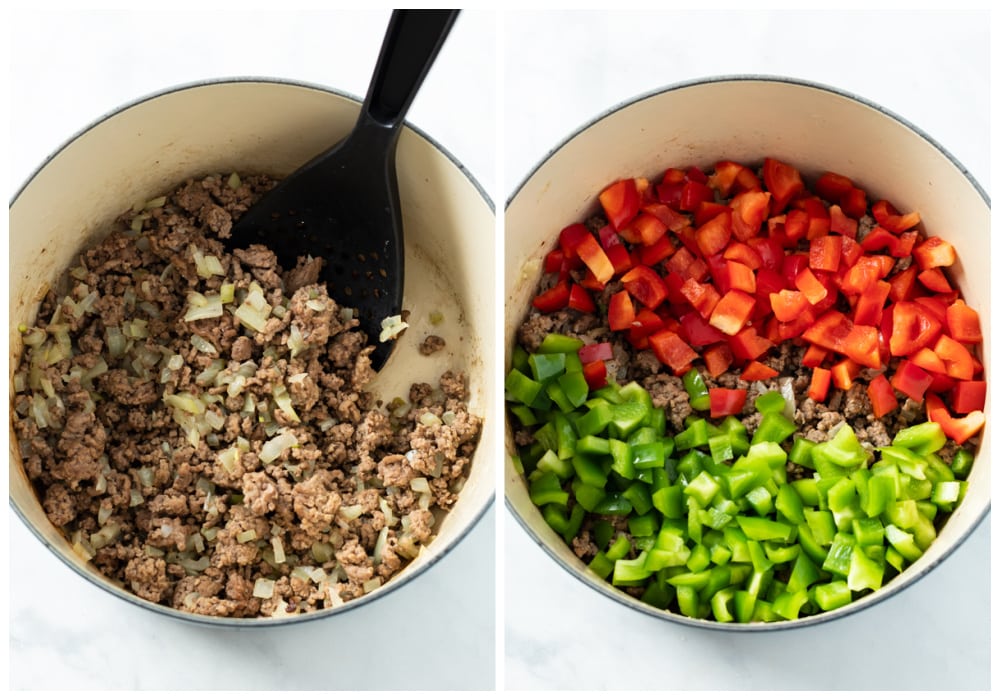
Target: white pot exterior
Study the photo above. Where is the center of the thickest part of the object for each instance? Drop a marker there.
(746, 119)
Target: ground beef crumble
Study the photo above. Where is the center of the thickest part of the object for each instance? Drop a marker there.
(187, 511)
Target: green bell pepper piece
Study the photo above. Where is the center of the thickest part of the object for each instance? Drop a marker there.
(694, 435)
(648, 455)
(575, 387)
(807, 540)
(743, 604)
(781, 554)
(808, 490)
(614, 504)
(788, 604)
(832, 595)
(628, 416)
(864, 572)
(593, 446)
(699, 559)
(638, 495)
(689, 603)
(879, 494)
(573, 523)
(721, 448)
(961, 463)
(902, 542)
(519, 360)
(947, 494)
(760, 501)
(555, 343)
(589, 471)
(697, 390)
(923, 438)
(621, 458)
(789, 504)
(657, 421)
(629, 572)
(669, 500)
(524, 415)
(774, 427)
(804, 574)
(722, 602)
(842, 451)
(838, 559)
(603, 532)
(565, 436)
(547, 366)
(595, 420)
(601, 565)
(821, 525)
(619, 548)
(761, 529)
(657, 594)
(702, 489)
(770, 402)
(587, 496)
(522, 388)
(556, 517)
(546, 489)
(801, 452)
(758, 558)
(868, 531)
(550, 462)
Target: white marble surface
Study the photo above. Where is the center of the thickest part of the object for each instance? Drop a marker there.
(438, 632)
(561, 70)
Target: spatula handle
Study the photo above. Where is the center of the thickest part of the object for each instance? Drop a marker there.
(410, 46)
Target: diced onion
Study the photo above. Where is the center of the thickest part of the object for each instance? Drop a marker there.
(263, 588)
(351, 512)
(252, 318)
(202, 345)
(420, 485)
(392, 327)
(284, 402)
(234, 183)
(296, 341)
(203, 306)
(429, 419)
(273, 448)
(246, 536)
(279, 550)
(371, 584)
(380, 543)
(185, 402)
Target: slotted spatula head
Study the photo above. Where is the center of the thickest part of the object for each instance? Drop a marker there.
(343, 206)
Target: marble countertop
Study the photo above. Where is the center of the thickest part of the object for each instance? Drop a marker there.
(69, 68)
(560, 71)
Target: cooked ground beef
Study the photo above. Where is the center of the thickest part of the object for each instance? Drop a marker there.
(190, 459)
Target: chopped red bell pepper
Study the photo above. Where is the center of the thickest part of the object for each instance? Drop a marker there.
(620, 259)
(888, 217)
(673, 220)
(553, 299)
(958, 429)
(882, 396)
(912, 328)
(594, 352)
(819, 385)
(646, 286)
(819, 215)
(749, 211)
(736, 275)
(963, 323)
(814, 356)
(870, 304)
(732, 312)
(696, 331)
(748, 345)
(783, 182)
(596, 374)
(772, 255)
(757, 371)
(671, 350)
(934, 252)
(854, 202)
(580, 300)
(726, 402)
(862, 275)
(703, 297)
(845, 372)
(645, 324)
(788, 304)
(659, 251)
(714, 235)
(649, 228)
(903, 285)
(620, 202)
(861, 345)
(841, 223)
(729, 177)
(594, 257)
(621, 311)
(718, 359)
(685, 264)
(833, 186)
(850, 250)
(694, 193)
(554, 261)
(909, 379)
(742, 253)
(796, 226)
(968, 395)
(934, 280)
(958, 361)
(807, 283)
(570, 239)
(824, 253)
(707, 211)
(831, 331)
(927, 359)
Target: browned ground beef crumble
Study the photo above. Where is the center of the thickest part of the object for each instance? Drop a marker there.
(164, 512)
(815, 421)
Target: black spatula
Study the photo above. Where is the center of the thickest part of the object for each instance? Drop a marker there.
(343, 205)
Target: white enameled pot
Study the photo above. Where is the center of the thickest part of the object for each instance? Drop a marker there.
(745, 119)
(268, 126)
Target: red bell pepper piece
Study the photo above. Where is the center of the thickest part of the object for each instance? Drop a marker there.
(673, 220)
(819, 385)
(570, 239)
(645, 324)
(553, 299)
(607, 236)
(854, 202)
(968, 396)
(870, 304)
(590, 282)
(621, 311)
(850, 250)
(646, 286)
(703, 297)
(912, 328)
(788, 304)
(726, 402)
(740, 252)
(649, 228)
(807, 283)
(580, 300)
(619, 256)
(693, 193)
(620, 202)
(707, 211)
(749, 211)
(554, 261)
(958, 361)
(748, 345)
(833, 186)
(903, 285)
(772, 255)
(882, 396)
(841, 223)
(880, 239)
(783, 182)
(861, 345)
(714, 235)
(934, 280)
(796, 226)
(594, 352)
(862, 275)
(594, 257)
(757, 371)
(905, 246)
(888, 217)
(814, 356)
(696, 331)
(958, 429)
(685, 264)
(671, 350)
(659, 251)
(934, 252)
(730, 177)
(718, 359)
(596, 374)
(735, 275)
(732, 312)
(830, 331)
(927, 359)
(909, 379)
(845, 372)
(824, 253)
(819, 216)
(963, 323)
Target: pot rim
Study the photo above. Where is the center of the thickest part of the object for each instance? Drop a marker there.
(256, 622)
(633, 603)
